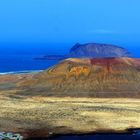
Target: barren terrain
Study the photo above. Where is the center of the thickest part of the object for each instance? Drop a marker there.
(50, 115)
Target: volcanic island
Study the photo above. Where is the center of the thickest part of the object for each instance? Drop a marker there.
(94, 92)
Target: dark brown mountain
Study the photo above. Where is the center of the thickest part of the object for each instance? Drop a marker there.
(91, 50)
(97, 50)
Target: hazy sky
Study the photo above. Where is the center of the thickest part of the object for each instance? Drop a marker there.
(58, 24)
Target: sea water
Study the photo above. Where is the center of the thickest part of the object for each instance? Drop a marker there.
(22, 63)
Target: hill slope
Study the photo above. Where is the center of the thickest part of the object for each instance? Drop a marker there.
(97, 77)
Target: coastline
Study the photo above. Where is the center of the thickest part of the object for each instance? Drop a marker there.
(20, 72)
(102, 132)
(42, 134)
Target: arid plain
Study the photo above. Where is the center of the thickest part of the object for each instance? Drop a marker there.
(44, 116)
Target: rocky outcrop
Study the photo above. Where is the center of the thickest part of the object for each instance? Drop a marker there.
(96, 50)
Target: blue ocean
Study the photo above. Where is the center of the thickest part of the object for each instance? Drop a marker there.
(13, 63)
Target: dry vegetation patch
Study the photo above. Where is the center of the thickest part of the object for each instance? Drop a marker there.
(69, 114)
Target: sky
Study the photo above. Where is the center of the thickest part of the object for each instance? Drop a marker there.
(41, 26)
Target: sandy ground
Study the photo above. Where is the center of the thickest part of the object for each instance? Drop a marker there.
(68, 115)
